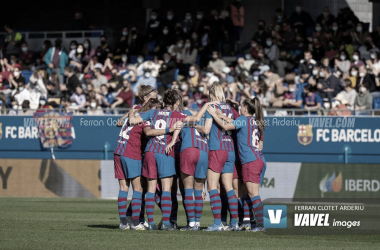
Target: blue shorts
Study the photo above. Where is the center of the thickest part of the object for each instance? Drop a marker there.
(194, 162)
(221, 161)
(157, 166)
(132, 168)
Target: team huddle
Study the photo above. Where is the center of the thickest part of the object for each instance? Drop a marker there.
(160, 143)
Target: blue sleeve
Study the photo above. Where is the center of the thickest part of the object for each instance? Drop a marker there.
(187, 112)
(240, 122)
(148, 115)
(318, 99)
(298, 95)
(207, 115)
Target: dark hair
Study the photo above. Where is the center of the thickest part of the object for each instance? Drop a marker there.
(75, 42)
(98, 70)
(170, 97)
(366, 85)
(254, 107)
(234, 105)
(69, 69)
(345, 53)
(325, 68)
(89, 45)
(347, 83)
(307, 51)
(151, 103)
(308, 88)
(103, 85)
(103, 36)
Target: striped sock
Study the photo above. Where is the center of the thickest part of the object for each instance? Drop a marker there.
(198, 205)
(122, 206)
(258, 209)
(174, 212)
(189, 204)
(215, 206)
(233, 203)
(149, 205)
(157, 196)
(142, 211)
(166, 205)
(129, 210)
(247, 208)
(240, 210)
(136, 207)
(224, 210)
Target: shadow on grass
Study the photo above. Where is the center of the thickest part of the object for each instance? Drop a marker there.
(104, 226)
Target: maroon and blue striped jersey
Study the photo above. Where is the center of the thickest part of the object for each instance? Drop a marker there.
(192, 138)
(219, 138)
(248, 137)
(161, 119)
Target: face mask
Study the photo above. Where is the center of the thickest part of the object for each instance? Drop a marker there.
(14, 107)
(191, 73)
(253, 45)
(86, 45)
(199, 16)
(140, 60)
(166, 61)
(373, 56)
(188, 17)
(180, 45)
(291, 90)
(354, 73)
(209, 74)
(335, 28)
(24, 49)
(20, 89)
(269, 43)
(125, 33)
(42, 102)
(231, 90)
(184, 87)
(73, 104)
(72, 47)
(199, 101)
(315, 72)
(255, 78)
(187, 45)
(93, 104)
(248, 57)
(169, 17)
(201, 89)
(79, 50)
(321, 74)
(355, 57)
(153, 17)
(359, 29)
(147, 74)
(362, 89)
(361, 74)
(16, 73)
(165, 32)
(318, 29)
(298, 9)
(124, 58)
(342, 57)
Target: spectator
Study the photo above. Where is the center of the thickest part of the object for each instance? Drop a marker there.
(261, 35)
(78, 98)
(259, 62)
(367, 48)
(167, 71)
(330, 83)
(26, 57)
(106, 98)
(279, 17)
(354, 74)
(301, 19)
(103, 50)
(89, 52)
(125, 97)
(374, 63)
(332, 51)
(278, 92)
(311, 101)
(356, 60)
(52, 86)
(240, 67)
(340, 106)
(292, 96)
(199, 23)
(37, 89)
(13, 41)
(365, 77)
(154, 24)
(349, 93)
(166, 38)
(94, 108)
(187, 23)
(189, 53)
(146, 79)
(73, 45)
(56, 59)
(19, 95)
(306, 66)
(237, 16)
(363, 100)
(72, 80)
(335, 34)
(43, 106)
(271, 50)
(77, 57)
(359, 35)
(270, 77)
(326, 19)
(170, 20)
(15, 79)
(263, 94)
(226, 74)
(210, 78)
(25, 106)
(79, 23)
(343, 63)
(194, 77)
(175, 50)
(216, 63)
(99, 79)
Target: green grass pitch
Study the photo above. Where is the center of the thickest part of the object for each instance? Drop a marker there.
(40, 223)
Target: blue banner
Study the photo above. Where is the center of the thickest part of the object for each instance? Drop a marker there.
(286, 139)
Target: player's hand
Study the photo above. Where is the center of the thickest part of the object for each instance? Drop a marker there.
(177, 126)
(211, 110)
(218, 112)
(169, 148)
(119, 123)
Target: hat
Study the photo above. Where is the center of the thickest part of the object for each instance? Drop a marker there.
(264, 68)
(340, 97)
(17, 66)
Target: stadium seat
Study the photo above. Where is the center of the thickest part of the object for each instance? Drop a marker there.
(26, 74)
(149, 58)
(376, 103)
(176, 74)
(133, 59)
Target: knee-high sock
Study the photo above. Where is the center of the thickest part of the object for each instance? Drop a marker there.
(122, 206)
(198, 205)
(240, 210)
(174, 211)
(215, 206)
(189, 204)
(149, 205)
(247, 203)
(224, 210)
(233, 203)
(136, 207)
(258, 209)
(129, 210)
(166, 206)
(142, 211)
(157, 197)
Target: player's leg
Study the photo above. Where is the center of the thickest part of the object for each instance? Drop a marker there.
(198, 203)
(136, 204)
(232, 200)
(188, 182)
(248, 220)
(150, 203)
(166, 202)
(224, 202)
(122, 203)
(174, 211)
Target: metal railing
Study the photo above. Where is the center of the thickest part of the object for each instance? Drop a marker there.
(58, 34)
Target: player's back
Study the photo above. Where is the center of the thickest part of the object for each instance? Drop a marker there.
(219, 138)
(192, 138)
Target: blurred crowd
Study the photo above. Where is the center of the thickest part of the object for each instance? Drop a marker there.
(329, 65)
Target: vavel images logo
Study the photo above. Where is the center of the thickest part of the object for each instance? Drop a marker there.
(275, 216)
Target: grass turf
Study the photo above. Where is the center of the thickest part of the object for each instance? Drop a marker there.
(39, 223)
